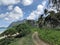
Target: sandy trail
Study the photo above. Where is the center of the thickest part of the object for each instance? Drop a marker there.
(37, 40)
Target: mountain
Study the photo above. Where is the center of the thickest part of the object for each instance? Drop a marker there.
(16, 23)
(31, 22)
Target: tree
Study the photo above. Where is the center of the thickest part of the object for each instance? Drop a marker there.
(23, 29)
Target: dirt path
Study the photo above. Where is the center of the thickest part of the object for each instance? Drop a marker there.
(37, 40)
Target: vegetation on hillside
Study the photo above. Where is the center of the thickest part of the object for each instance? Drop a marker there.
(48, 29)
(51, 36)
(51, 21)
(23, 30)
(48, 35)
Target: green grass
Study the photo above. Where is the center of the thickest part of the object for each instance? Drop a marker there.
(27, 40)
(50, 35)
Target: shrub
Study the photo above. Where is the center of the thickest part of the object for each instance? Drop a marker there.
(23, 29)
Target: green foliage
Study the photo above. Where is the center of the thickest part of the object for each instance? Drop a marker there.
(10, 31)
(23, 29)
(26, 40)
(6, 41)
(50, 35)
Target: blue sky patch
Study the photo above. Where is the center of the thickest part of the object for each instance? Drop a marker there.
(19, 10)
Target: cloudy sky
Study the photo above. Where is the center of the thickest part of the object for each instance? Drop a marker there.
(13, 10)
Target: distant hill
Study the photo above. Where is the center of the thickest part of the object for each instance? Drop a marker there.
(16, 23)
(31, 22)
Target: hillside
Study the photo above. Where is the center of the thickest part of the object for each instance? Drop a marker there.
(41, 28)
(16, 23)
(50, 36)
(27, 40)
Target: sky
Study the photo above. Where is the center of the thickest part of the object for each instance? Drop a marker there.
(13, 10)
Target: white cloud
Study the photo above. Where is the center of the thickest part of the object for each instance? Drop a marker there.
(16, 14)
(9, 2)
(27, 2)
(6, 18)
(10, 7)
(3, 15)
(40, 10)
(53, 9)
(32, 16)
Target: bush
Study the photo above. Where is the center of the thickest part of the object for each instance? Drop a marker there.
(6, 41)
(50, 35)
(10, 31)
(23, 29)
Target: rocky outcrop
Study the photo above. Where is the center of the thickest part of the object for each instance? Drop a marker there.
(55, 3)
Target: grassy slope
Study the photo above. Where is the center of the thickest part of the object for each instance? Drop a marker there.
(27, 40)
(49, 35)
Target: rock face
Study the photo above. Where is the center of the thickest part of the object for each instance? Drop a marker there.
(55, 3)
(51, 21)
